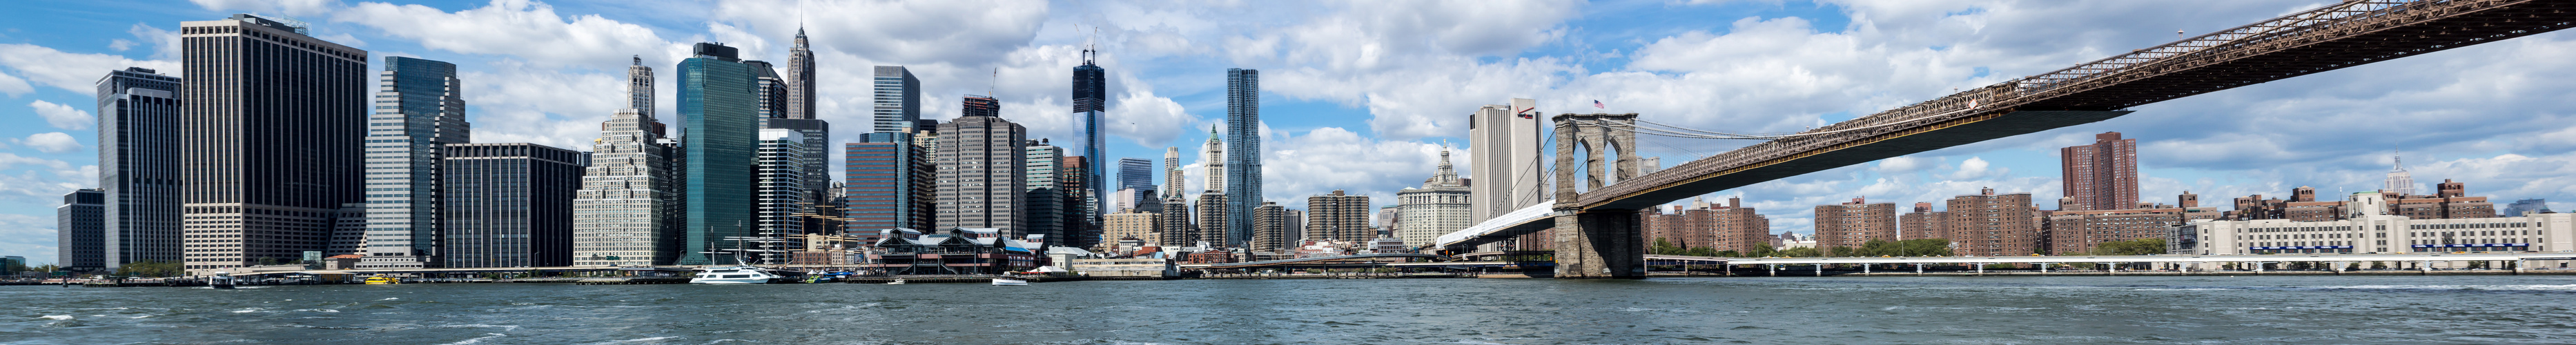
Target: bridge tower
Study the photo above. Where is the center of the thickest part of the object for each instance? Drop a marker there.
(1596, 244)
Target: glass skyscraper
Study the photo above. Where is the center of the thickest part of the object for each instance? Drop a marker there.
(268, 164)
(1090, 101)
(1243, 143)
(887, 184)
(419, 110)
(138, 166)
(508, 205)
(897, 102)
(718, 100)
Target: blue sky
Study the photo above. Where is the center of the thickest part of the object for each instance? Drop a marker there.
(1361, 95)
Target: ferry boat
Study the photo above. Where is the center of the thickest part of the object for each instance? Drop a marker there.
(1009, 281)
(740, 274)
(383, 280)
(221, 280)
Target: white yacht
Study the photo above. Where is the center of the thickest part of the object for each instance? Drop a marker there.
(738, 274)
(1009, 281)
(221, 280)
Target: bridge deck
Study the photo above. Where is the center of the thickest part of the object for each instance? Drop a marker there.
(2131, 258)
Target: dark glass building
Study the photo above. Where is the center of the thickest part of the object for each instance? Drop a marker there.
(1243, 159)
(80, 235)
(508, 205)
(887, 184)
(138, 165)
(719, 98)
(271, 139)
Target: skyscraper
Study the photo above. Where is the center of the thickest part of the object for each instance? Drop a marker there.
(1213, 157)
(1090, 102)
(268, 163)
(419, 110)
(718, 99)
(1338, 217)
(772, 90)
(1243, 136)
(888, 184)
(628, 211)
(1439, 207)
(783, 198)
(1507, 169)
(80, 231)
(980, 160)
(1135, 173)
(2399, 181)
(800, 79)
(817, 135)
(138, 166)
(508, 205)
(1173, 183)
(2102, 175)
(1045, 202)
(897, 102)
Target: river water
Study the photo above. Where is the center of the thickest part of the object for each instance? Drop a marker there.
(1814, 310)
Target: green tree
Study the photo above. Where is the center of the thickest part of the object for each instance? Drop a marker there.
(2142, 246)
(151, 268)
(1762, 250)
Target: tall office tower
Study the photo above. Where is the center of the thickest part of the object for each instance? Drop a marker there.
(1989, 224)
(628, 211)
(1440, 207)
(2399, 181)
(1173, 183)
(981, 175)
(783, 198)
(1269, 229)
(1338, 217)
(80, 235)
(2102, 175)
(138, 165)
(1091, 102)
(1508, 172)
(897, 102)
(1243, 136)
(1135, 173)
(888, 184)
(1212, 210)
(1924, 223)
(508, 205)
(1176, 222)
(1854, 223)
(1213, 157)
(818, 160)
(271, 139)
(1081, 227)
(1045, 202)
(772, 89)
(800, 79)
(639, 95)
(419, 109)
(718, 96)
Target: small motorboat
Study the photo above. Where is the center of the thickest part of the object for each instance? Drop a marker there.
(221, 280)
(897, 281)
(1009, 281)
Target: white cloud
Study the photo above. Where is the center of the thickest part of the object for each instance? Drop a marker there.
(286, 7)
(1330, 158)
(526, 29)
(165, 43)
(75, 72)
(63, 116)
(51, 142)
(11, 85)
(28, 236)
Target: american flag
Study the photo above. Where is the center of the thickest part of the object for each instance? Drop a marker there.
(1597, 104)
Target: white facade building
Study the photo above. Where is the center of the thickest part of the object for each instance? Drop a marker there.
(2375, 232)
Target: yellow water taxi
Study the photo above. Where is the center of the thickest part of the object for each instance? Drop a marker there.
(383, 280)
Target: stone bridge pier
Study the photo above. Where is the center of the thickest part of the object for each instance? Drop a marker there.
(1596, 244)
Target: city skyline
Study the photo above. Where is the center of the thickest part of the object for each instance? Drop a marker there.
(1379, 139)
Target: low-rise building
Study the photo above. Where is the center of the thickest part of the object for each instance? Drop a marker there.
(1126, 267)
(2370, 229)
(954, 251)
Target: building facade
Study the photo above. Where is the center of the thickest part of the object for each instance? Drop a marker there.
(80, 236)
(896, 105)
(800, 80)
(1091, 103)
(1270, 229)
(1210, 229)
(508, 205)
(1243, 166)
(1854, 223)
(719, 100)
(628, 211)
(2102, 175)
(1505, 138)
(889, 184)
(1923, 223)
(2372, 230)
(419, 110)
(1989, 224)
(1718, 227)
(981, 171)
(138, 166)
(1443, 205)
(1339, 217)
(265, 180)
(2078, 232)
(1143, 226)
(784, 201)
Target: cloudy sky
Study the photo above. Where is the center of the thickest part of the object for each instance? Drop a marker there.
(1361, 95)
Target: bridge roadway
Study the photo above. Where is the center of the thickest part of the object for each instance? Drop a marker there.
(2341, 35)
(2112, 259)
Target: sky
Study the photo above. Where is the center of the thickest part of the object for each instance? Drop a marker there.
(1363, 95)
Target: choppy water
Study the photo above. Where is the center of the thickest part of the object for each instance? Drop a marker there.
(2028, 310)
